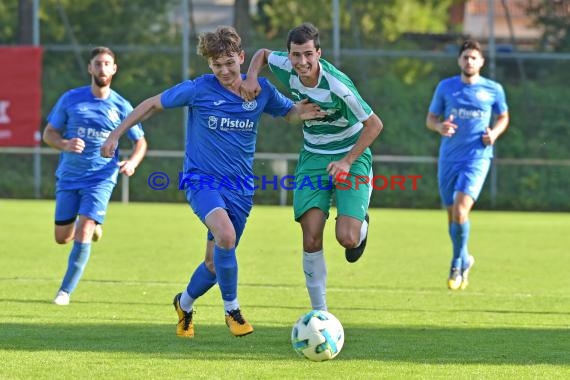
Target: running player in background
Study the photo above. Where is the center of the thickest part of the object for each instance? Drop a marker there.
(78, 125)
(461, 111)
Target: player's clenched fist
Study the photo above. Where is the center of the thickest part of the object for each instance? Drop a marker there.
(109, 147)
(75, 145)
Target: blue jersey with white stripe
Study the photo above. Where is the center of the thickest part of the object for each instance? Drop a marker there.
(472, 106)
(222, 127)
(79, 113)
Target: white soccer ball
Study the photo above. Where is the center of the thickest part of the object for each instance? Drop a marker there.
(317, 335)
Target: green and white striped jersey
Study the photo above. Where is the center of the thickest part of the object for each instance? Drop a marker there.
(336, 95)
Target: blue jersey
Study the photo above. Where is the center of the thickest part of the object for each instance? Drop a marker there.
(222, 129)
(79, 113)
(472, 106)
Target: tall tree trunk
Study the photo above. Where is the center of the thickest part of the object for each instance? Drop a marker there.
(242, 20)
(25, 22)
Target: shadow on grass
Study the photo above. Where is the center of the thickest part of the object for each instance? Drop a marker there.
(48, 301)
(398, 344)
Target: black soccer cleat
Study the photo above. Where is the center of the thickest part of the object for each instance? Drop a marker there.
(353, 254)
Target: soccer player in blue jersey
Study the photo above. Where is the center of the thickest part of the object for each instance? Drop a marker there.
(220, 146)
(78, 125)
(337, 145)
(461, 111)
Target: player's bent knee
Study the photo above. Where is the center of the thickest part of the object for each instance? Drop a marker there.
(63, 239)
(64, 233)
(347, 240)
(348, 243)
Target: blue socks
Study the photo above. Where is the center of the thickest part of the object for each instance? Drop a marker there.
(226, 266)
(201, 281)
(460, 236)
(76, 263)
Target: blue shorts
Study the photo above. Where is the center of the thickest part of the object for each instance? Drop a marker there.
(91, 201)
(205, 200)
(467, 177)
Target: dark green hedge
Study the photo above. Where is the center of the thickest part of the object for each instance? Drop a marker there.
(398, 89)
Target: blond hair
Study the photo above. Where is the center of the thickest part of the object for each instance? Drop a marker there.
(224, 41)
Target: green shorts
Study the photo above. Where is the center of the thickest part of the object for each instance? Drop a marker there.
(314, 187)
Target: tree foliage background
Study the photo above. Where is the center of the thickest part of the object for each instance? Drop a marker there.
(147, 39)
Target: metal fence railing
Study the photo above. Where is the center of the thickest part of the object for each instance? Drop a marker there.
(521, 183)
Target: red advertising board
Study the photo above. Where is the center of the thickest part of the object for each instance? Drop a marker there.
(20, 95)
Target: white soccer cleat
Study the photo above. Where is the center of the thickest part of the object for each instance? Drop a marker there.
(62, 298)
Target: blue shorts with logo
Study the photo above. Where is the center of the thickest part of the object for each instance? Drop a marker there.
(204, 200)
(90, 201)
(466, 176)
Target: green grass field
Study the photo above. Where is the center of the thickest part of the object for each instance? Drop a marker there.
(400, 320)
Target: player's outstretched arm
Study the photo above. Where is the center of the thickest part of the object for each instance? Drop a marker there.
(250, 88)
(304, 110)
(142, 112)
(128, 166)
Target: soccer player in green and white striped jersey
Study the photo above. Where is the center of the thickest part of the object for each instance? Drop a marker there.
(336, 146)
